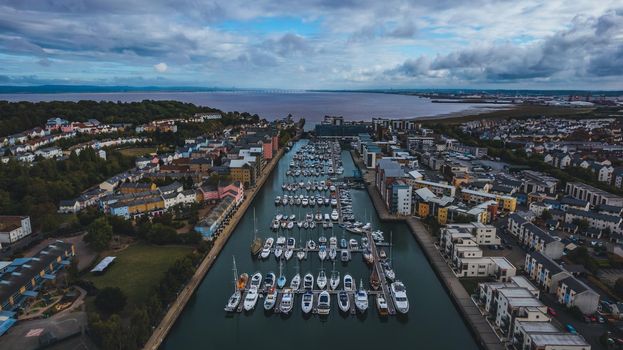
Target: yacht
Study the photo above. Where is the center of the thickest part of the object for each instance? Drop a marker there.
(290, 225)
(381, 305)
(334, 215)
(348, 283)
(399, 294)
(256, 280)
(300, 224)
(321, 281)
(311, 244)
(269, 281)
(307, 303)
(389, 272)
(291, 243)
(343, 243)
(324, 303)
(250, 299)
(288, 253)
(271, 299)
(354, 245)
(300, 254)
(361, 298)
(287, 301)
(308, 281)
(267, 247)
(295, 282)
(333, 202)
(278, 251)
(343, 301)
(278, 200)
(344, 255)
(332, 253)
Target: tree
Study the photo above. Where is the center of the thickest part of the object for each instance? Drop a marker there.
(546, 215)
(99, 234)
(140, 325)
(110, 300)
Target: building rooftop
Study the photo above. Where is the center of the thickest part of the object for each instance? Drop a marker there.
(558, 339)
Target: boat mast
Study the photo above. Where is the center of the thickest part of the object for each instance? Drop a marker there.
(254, 225)
(235, 271)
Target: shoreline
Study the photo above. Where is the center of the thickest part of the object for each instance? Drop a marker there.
(177, 307)
(483, 334)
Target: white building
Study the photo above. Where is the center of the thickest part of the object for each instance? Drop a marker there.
(14, 228)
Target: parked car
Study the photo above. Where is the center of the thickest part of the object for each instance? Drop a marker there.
(571, 329)
(551, 311)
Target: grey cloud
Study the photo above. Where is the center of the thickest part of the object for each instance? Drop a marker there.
(406, 29)
(583, 50)
(288, 45)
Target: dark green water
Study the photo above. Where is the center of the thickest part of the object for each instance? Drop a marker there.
(432, 323)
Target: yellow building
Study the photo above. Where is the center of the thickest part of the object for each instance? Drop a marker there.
(423, 210)
(442, 215)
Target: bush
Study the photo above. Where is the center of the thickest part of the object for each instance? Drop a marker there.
(110, 300)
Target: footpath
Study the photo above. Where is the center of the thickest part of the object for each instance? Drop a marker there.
(461, 298)
(182, 299)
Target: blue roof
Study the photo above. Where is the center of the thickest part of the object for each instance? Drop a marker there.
(30, 293)
(6, 324)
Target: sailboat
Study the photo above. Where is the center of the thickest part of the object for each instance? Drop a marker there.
(361, 298)
(321, 281)
(234, 300)
(256, 245)
(281, 281)
(387, 265)
(334, 281)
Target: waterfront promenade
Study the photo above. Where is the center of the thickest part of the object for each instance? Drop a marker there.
(184, 296)
(479, 326)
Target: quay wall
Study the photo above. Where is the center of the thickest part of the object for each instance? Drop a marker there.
(479, 327)
(184, 296)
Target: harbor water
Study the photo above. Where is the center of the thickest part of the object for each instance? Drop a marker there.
(433, 322)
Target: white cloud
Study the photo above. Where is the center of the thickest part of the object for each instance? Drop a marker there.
(161, 67)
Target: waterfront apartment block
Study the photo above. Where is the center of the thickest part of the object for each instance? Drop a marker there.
(543, 335)
(507, 203)
(593, 195)
(573, 292)
(546, 273)
(211, 224)
(439, 189)
(534, 237)
(14, 228)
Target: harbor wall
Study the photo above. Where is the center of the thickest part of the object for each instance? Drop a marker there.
(479, 327)
(187, 292)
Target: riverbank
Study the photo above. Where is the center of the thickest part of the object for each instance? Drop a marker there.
(478, 325)
(184, 296)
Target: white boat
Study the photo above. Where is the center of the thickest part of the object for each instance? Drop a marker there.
(322, 252)
(300, 254)
(361, 298)
(250, 299)
(287, 301)
(348, 283)
(275, 224)
(321, 281)
(332, 253)
(279, 217)
(343, 301)
(334, 281)
(312, 225)
(300, 224)
(353, 244)
(318, 217)
(292, 217)
(291, 243)
(278, 200)
(311, 244)
(233, 301)
(399, 295)
(334, 215)
(284, 224)
(288, 253)
(381, 305)
(307, 304)
(278, 251)
(295, 282)
(290, 225)
(267, 247)
(324, 303)
(271, 299)
(308, 281)
(389, 273)
(256, 280)
(333, 202)
(269, 281)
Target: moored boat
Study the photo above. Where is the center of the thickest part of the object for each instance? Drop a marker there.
(321, 281)
(399, 295)
(381, 305)
(361, 298)
(307, 304)
(250, 299)
(271, 299)
(324, 303)
(287, 301)
(343, 301)
(348, 283)
(308, 281)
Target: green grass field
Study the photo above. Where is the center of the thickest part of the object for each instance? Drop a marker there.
(139, 268)
(137, 151)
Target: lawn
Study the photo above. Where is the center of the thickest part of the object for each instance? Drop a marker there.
(139, 268)
(137, 151)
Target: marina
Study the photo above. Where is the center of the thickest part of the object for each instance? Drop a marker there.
(427, 322)
(321, 157)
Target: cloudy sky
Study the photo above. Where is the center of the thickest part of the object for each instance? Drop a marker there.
(314, 44)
